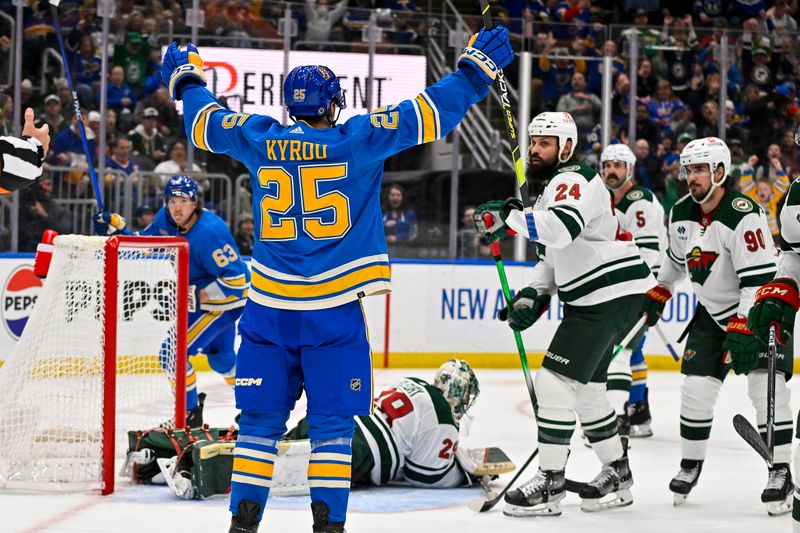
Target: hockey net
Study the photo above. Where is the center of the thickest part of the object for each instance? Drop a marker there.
(93, 363)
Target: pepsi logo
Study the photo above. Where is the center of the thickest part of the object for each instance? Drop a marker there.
(20, 292)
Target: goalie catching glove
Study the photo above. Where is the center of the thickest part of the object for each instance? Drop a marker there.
(487, 52)
(490, 218)
(181, 67)
(526, 308)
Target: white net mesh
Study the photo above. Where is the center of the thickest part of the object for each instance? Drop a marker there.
(51, 386)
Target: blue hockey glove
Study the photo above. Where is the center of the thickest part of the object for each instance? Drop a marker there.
(487, 52)
(181, 67)
(107, 224)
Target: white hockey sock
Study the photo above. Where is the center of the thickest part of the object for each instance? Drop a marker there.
(599, 422)
(555, 418)
(698, 397)
(757, 389)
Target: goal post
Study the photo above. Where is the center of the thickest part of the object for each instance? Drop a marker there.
(94, 363)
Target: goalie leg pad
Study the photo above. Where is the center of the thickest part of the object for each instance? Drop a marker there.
(598, 420)
(330, 463)
(555, 417)
(254, 456)
(757, 389)
(698, 397)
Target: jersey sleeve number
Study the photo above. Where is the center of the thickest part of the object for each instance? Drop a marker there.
(224, 256)
(754, 240)
(394, 404)
(561, 191)
(384, 117)
(640, 221)
(279, 182)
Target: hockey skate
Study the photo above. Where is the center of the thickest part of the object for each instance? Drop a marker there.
(609, 489)
(541, 496)
(319, 511)
(639, 416)
(683, 483)
(246, 519)
(778, 493)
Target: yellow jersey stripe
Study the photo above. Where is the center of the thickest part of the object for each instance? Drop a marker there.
(343, 283)
(428, 120)
(237, 282)
(200, 125)
(201, 325)
(437, 125)
(328, 470)
(228, 299)
(249, 466)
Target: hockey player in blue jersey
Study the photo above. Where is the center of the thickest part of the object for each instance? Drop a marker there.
(219, 280)
(319, 249)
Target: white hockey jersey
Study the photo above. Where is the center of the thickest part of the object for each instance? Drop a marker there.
(640, 213)
(575, 229)
(412, 436)
(789, 262)
(728, 254)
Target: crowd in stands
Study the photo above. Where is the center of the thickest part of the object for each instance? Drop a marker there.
(678, 85)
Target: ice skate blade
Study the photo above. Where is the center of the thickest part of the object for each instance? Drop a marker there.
(621, 498)
(678, 499)
(543, 509)
(779, 508)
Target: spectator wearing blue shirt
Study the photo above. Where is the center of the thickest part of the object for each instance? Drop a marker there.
(121, 97)
(663, 105)
(120, 158)
(399, 222)
(85, 63)
(556, 74)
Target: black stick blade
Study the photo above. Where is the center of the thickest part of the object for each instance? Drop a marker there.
(751, 436)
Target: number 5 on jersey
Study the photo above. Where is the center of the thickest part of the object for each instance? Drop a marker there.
(279, 199)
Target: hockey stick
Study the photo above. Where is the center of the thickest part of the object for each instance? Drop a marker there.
(511, 129)
(672, 351)
(480, 505)
(629, 337)
(95, 183)
(744, 428)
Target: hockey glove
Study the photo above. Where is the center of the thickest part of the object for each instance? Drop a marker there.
(526, 308)
(107, 224)
(776, 303)
(742, 344)
(490, 218)
(194, 300)
(654, 302)
(181, 67)
(487, 52)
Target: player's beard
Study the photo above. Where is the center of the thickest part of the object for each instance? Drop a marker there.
(698, 193)
(539, 170)
(617, 181)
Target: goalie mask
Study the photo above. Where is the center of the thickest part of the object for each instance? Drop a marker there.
(458, 384)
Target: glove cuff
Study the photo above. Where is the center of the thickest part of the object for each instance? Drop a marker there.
(189, 71)
(478, 60)
(659, 294)
(738, 324)
(783, 289)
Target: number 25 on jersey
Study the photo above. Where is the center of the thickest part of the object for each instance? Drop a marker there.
(332, 208)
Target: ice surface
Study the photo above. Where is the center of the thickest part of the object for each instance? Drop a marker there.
(726, 499)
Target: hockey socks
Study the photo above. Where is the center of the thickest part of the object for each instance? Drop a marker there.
(251, 479)
(191, 387)
(329, 475)
(638, 375)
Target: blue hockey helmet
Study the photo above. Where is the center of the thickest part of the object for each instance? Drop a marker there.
(309, 90)
(182, 186)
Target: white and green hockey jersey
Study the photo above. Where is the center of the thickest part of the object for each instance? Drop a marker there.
(728, 254)
(412, 436)
(640, 213)
(789, 262)
(576, 235)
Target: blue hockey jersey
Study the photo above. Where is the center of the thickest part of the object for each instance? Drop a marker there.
(316, 192)
(214, 263)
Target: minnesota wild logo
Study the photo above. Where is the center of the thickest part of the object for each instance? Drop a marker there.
(699, 264)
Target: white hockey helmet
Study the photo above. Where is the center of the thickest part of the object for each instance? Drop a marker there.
(458, 384)
(712, 151)
(618, 152)
(555, 124)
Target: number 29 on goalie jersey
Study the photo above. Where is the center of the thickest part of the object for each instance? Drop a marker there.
(319, 236)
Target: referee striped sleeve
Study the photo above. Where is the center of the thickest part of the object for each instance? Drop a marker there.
(22, 162)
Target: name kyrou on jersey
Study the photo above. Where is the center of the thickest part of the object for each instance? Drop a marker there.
(285, 150)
